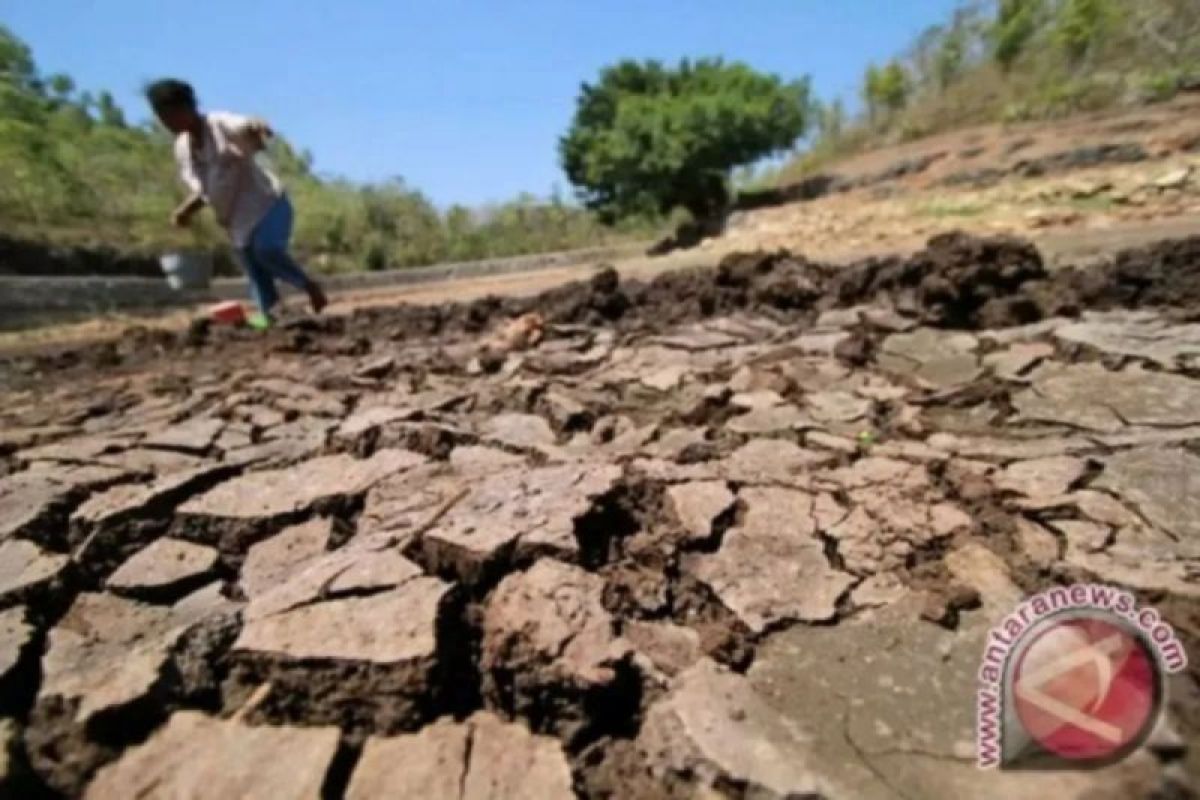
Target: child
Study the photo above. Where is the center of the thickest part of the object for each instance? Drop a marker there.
(216, 153)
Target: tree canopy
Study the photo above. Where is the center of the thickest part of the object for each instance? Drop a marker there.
(649, 138)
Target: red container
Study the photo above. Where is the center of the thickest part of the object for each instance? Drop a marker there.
(231, 313)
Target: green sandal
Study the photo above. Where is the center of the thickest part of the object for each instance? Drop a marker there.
(259, 321)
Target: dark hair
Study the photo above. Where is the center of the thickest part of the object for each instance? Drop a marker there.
(169, 94)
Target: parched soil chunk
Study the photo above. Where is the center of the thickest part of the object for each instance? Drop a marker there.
(195, 755)
(482, 758)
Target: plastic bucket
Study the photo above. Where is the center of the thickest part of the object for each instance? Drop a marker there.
(230, 313)
(187, 269)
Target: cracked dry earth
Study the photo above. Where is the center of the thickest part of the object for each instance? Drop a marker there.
(651, 556)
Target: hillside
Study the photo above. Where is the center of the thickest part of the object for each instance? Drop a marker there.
(1007, 62)
(74, 172)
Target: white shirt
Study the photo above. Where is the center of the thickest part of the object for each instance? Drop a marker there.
(222, 168)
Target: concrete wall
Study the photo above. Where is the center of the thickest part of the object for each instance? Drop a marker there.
(25, 296)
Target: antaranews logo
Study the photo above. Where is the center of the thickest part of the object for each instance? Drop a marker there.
(1073, 678)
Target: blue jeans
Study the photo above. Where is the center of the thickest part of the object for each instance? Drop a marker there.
(266, 257)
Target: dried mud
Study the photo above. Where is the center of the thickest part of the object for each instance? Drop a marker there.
(364, 533)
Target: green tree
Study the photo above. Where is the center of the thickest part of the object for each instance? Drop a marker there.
(871, 91)
(894, 86)
(63, 86)
(649, 138)
(16, 61)
(886, 89)
(1015, 26)
(831, 120)
(110, 112)
(951, 57)
(1082, 24)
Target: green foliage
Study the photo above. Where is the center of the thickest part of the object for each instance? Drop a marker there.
(951, 58)
(74, 171)
(1016, 61)
(886, 89)
(1081, 25)
(647, 138)
(1016, 24)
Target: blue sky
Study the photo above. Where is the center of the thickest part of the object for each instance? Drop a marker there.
(465, 99)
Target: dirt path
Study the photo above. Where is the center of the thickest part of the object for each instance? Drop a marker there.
(1062, 247)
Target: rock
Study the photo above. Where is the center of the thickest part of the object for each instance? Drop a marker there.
(349, 639)
(150, 461)
(999, 449)
(713, 731)
(112, 526)
(1144, 437)
(483, 758)
(698, 505)
(194, 436)
(361, 422)
(769, 420)
(894, 511)
(881, 589)
(16, 638)
(121, 504)
(1038, 544)
(975, 566)
(406, 505)
(473, 460)
(762, 461)
(840, 318)
(272, 561)
(887, 319)
(526, 512)
(287, 447)
(376, 368)
(115, 660)
(30, 501)
(108, 652)
(1176, 179)
(1153, 339)
(756, 401)
(77, 449)
(287, 395)
(195, 756)
(565, 411)
(1067, 394)
(168, 568)
(937, 358)
(347, 629)
(670, 648)
(1164, 484)
(258, 416)
(1015, 362)
(877, 471)
(671, 444)
(772, 567)
(821, 342)
(665, 379)
(26, 570)
(1043, 477)
(828, 441)
(276, 493)
(833, 407)
(631, 441)
(547, 638)
(904, 730)
(695, 340)
(519, 431)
